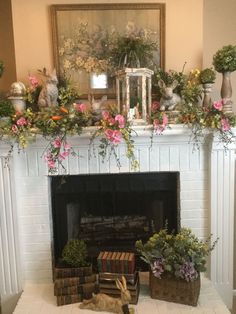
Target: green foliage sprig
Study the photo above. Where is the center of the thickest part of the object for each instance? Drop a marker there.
(224, 59)
(75, 253)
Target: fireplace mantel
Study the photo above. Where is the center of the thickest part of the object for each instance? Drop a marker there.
(207, 177)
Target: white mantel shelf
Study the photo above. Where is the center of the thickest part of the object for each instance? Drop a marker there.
(207, 180)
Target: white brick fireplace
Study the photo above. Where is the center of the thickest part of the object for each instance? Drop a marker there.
(207, 179)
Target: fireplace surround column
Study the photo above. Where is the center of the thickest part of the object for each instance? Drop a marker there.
(222, 178)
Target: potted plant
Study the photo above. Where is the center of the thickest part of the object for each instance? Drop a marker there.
(176, 261)
(224, 62)
(74, 261)
(207, 78)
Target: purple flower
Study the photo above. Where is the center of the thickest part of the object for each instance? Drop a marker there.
(157, 267)
(188, 272)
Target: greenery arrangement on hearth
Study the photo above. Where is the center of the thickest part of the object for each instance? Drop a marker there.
(181, 255)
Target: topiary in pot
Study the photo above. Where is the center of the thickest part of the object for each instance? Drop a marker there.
(224, 59)
(207, 75)
(75, 253)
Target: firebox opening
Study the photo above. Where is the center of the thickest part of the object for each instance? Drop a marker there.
(112, 211)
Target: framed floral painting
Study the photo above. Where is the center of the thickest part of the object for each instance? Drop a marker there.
(92, 41)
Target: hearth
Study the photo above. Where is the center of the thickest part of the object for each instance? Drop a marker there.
(112, 211)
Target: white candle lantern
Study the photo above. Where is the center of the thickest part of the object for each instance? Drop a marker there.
(133, 92)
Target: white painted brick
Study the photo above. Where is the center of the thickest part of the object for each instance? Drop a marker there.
(193, 195)
(195, 223)
(38, 265)
(30, 256)
(194, 204)
(37, 247)
(35, 229)
(40, 238)
(34, 219)
(38, 276)
(32, 200)
(193, 175)
(193, 185)
(194, 213)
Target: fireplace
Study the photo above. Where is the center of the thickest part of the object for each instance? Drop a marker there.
(111, 211)
(206, 188)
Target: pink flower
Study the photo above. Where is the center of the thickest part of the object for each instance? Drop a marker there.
(105, 115)
(111, 121)
(57, 143)
(156, 123)
(64, 154)
(113, 135)
(51, 164)
(155, 105)
(165, 120)
(121, 121)
(80, 107)
(22, 121)
(225, 126)
(67, 147)
(33, 81)
(218, 105)
(14, 128)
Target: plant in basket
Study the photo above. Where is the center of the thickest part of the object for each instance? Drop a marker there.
(176, 261)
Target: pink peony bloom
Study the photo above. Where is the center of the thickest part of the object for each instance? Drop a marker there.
(111, 121)
(80, 107)
(105, 115)
(155, 105)
(113, 135)
(22, 121)
(225, 126)
(33, 81)
(51, 164)
(121, 121)
(64, 154)
(160, 127)
(14, 128)
(67, 147)
(218, 105)
(57, 143)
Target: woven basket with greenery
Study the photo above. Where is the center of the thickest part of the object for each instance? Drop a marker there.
(171, 289)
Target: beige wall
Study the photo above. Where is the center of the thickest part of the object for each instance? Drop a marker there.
(7, 53)
(219, 24)
(33, 42)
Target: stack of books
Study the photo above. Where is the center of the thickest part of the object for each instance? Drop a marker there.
(72, 285)
(113, 265)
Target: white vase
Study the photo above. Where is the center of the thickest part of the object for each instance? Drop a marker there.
(207, 88)
(226, 91)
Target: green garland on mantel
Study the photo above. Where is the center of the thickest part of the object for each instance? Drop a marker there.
(57, 124)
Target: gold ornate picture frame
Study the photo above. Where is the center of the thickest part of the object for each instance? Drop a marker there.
(99, 17)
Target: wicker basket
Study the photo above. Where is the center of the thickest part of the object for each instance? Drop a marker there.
(175, 290)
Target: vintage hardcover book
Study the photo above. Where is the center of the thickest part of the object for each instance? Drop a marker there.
(122, 262)
(108, 262)
(69, 299)
(104, 262)
(117, 262)
(73, 281)
(126, 259)
(113, 262)
(130, 278)
(72, 272)
(99, 261)
(112, 285)
(85, 289)
(131, 263)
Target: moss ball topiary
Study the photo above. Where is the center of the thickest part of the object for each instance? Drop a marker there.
(224, 59)
(75, 253)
